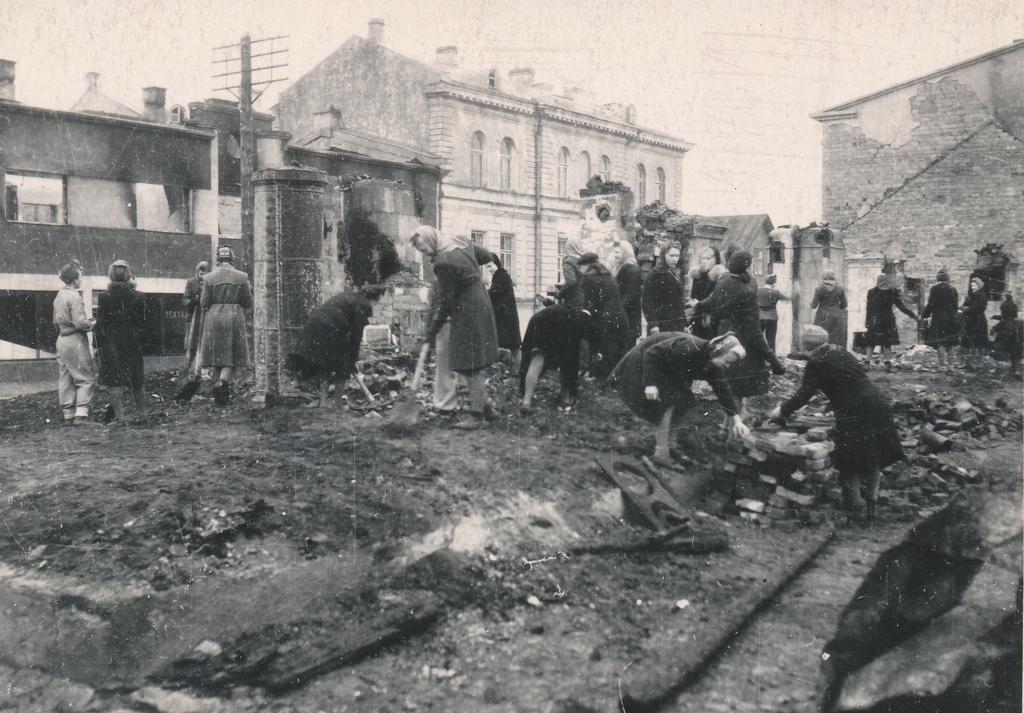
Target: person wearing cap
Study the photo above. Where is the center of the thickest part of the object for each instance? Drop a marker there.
(881, 321)
(866, 439)
(76, 368)
(120, 322)
(767, 300)
(655, 379)
(225, 344)
(733, 305)
(830, 302)
(974, 334)
(942, 332)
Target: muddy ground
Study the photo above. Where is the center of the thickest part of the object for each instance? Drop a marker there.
(304, 524)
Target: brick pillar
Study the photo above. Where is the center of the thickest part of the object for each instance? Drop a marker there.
(289, 253)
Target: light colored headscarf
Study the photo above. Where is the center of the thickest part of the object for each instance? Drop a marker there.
(200, 266)
(812, 337)
(574, 247)
(431, 241)
(883, 282)
(628, 256)
(726, 343)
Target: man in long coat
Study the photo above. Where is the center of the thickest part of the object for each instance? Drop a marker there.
(225, 298)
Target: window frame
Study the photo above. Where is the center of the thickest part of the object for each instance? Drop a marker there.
(508, 148)
(661, 184)
(588, 165)
(641, 184)
(62, 207)
(562, 240)
(477, 164)
(507, 257)
(474, 234)
(606, 168)
(562, 173)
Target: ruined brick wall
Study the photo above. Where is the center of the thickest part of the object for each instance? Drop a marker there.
(972, 195)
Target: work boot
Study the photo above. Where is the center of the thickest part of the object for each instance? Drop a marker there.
(187, 391)
(220, 393)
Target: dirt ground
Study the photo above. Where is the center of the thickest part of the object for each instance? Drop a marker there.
(325, 517)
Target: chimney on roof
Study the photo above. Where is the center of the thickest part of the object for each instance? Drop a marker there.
(448, 56)
(375, 31)
(153, 99)
(326, 121)
(92, 80)
(522, 75)
(7, 79)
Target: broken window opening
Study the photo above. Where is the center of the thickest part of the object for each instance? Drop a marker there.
(35, 198)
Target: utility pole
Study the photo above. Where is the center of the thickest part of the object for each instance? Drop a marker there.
(248, 77)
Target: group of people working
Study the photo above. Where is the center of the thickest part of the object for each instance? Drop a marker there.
(215, 303)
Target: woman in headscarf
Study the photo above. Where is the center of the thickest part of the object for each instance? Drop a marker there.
(119, 326)
(462, 300)
(194, 315)
(865, 435)
(503, 303)
(655, 378)
(733, 304)
(974, 338)
(610, 335)
(830, 302)
(881, 321)
(553, 340)
(703, 279)
(627, 277)
(942, 332)
(569, 293)
(664, 298)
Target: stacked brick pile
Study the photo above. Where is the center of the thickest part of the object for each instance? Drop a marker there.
(776, 475)
(949, 414)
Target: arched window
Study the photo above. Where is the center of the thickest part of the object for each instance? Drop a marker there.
(563, 172)
(606, 169)
(585, 165)
(641, 184)
(661, 184)
(476, 160)
(507, 148)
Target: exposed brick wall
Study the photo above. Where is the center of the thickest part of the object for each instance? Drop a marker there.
(971, 196)
(858, 171)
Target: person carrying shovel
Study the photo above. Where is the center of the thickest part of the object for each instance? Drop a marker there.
(461, 300)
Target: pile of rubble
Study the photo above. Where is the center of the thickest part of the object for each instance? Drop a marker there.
(935, 419)
(776, 474)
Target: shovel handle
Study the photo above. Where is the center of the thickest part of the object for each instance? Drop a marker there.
(421, 364)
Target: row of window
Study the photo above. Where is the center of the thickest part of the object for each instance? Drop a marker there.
(506, 245)
(96, 202)
(477, 175)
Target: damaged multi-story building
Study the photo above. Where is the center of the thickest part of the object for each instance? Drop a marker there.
(925, 174)
(160, 189)
(516, 149)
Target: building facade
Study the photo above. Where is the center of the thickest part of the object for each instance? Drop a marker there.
(922, 175)
(515, 151)
(99, 187)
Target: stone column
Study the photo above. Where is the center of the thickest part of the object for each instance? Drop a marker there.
(288, 253)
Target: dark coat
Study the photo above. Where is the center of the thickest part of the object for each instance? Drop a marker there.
(506, 314)
(881, 321)
(630, 284)
(702, 325)
(943, 330)
(556, 333)
(611, 325)
(330, 339)
(831, 313)
(120, 321)
(733, 306)
(975, 327)
(672, 361)
(664, 300)
(191, 301)
(569, 293)
(462, 299)
(865, 435)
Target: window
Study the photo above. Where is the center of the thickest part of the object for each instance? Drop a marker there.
(777, 251)
(163, 208)
(563, 172)
(101, 203)
(562, 240)
(606, 169)
(507, 147)
(661, 184)
(476, 161)
(641, 184)
(585, 165)
(477, 236)
(34, 199)
(492, 79)
(505, 253)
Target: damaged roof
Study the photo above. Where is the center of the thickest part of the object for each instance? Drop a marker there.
(744, 230)
(355, 143)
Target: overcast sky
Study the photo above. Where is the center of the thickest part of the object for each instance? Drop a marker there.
(738, 79)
